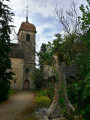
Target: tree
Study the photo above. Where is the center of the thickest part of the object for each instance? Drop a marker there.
(38, 80)
(45, 54)
(69, 19)
(5, 63)
(75, 48)
(79, 51)
(83, 63)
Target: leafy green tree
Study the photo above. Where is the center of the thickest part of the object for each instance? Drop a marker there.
(5, 63)
(79, 90)
(45, 54)
(69, 46)
(75, 47)
(38, 79)
(56, 45)
(83, 60)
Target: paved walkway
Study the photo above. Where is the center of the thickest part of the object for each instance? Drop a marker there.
(11, 108)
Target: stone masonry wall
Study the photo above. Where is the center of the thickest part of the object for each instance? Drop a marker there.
(17, 68)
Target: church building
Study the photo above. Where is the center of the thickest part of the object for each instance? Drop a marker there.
(22, 56)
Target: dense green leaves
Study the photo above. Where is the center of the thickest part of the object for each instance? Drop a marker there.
(37, 78)
(75, 48)
(5, 63)
(79, 90)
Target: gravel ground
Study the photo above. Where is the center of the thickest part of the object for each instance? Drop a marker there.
(10, 109)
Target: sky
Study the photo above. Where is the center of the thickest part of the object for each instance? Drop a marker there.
(42, 15)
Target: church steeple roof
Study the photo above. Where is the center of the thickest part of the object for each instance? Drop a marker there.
(28, 27)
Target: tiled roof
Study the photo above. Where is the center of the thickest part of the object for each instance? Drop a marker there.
(16, 51)
(27, 26)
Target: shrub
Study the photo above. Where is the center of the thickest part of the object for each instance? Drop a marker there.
(10, 92)
(43, 93)
(43, 99)
(49, 93)
(4, 91)
(37, 78)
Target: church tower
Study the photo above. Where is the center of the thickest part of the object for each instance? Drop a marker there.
(26, 41)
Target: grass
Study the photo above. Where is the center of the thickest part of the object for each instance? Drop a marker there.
(43, 99)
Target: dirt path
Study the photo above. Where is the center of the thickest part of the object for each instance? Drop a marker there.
(10, 109)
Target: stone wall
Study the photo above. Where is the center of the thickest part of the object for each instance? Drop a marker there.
(17, 68)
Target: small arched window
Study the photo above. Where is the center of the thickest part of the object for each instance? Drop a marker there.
(27, 70)
(28, 37)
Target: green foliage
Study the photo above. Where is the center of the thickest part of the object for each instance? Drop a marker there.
(44, 55)
(74, 48)
(5, 63)
(43, 99)
(38, 80)
(4, 91)
(60, 56)
(50, 93)
(83, 64)
(43, 93)
(71, 116)
(11, 92)
(57, 43)
(85, 19)
(66, 48)
(50, 90)
(62, 105)
(62, 101)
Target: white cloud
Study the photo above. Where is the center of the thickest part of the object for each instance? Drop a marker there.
(42, 27)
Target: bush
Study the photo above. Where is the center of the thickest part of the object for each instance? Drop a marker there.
(37, 78)
(43, 93)
(10, 92)
(49, 93)
(4, 91)
(43, 99)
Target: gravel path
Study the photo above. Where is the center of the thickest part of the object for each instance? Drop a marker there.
(10, 109)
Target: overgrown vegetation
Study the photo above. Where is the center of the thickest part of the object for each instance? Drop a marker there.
(45, 96)
(75, 48)
(37, 78)
(43, 99)
(5, 63)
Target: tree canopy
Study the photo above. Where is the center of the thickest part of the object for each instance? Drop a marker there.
(5, 63)
(75, 48)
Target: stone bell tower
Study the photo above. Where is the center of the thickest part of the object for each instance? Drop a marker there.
(26, 41)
